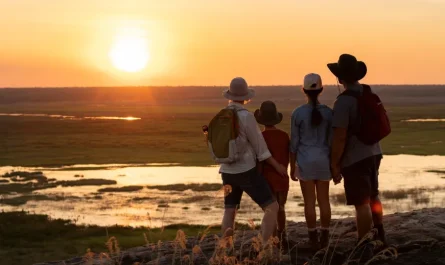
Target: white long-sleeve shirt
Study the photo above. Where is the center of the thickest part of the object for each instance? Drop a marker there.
(250, 140)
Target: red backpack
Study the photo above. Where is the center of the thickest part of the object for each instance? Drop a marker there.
(374, 123)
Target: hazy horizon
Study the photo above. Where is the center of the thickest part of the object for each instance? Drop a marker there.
(90, 43)
(210, 86)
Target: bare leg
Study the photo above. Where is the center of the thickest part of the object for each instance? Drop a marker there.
(323, 203)
(308, 190)
(228, 222)
(377, 211)
(281, 219)
(377, 218)
(364, 219)
(269, 223)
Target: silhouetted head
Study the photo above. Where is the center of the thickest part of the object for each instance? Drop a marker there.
(239, 91)
(312, 87)
(348, 70)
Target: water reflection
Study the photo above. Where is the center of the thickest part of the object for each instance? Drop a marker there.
(424, 120)
(407, 183)
(112, 118)
(68, 117)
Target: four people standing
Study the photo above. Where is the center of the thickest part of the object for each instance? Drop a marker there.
(323, 146)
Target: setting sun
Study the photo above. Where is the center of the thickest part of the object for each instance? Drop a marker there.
(129, 52)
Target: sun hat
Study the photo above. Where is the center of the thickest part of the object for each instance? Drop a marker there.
(239, 90)
(348, 68)
(312, 82)
(267, 114)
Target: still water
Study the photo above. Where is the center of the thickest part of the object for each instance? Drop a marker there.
(418, 180)
(69, 117)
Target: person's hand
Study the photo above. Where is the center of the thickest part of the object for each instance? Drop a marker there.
(295, 175)
(336, 174)
(292, 172)
(282, 170)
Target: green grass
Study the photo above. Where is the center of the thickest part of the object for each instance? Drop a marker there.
(166, 133)
(44, 183)
(28, 238)
(21, 200)
(417, 195)
(24, 176)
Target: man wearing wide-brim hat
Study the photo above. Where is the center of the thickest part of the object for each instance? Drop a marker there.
(351, 159)
(242, 175)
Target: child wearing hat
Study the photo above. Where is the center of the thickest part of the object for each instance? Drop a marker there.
(278, 144)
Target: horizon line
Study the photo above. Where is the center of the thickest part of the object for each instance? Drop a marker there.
(187, 86)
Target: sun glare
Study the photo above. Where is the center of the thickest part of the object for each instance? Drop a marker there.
(129, 52)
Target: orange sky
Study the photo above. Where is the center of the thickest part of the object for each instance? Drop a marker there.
(207, 42)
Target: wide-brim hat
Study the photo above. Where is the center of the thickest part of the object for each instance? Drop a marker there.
(239, 90)
(348, 68)
(267, 114)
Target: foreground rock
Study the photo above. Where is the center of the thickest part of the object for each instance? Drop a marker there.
(417, 238)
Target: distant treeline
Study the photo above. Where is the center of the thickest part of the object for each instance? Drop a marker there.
(180, 95)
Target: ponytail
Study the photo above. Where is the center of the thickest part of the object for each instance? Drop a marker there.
(316, 117)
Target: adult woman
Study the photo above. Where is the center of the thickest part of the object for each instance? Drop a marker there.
(310, 148)
(242, 175)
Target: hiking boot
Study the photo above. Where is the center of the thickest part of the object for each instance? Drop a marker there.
(313, 240)
(381, 234)
(324, 238)
(282, 237)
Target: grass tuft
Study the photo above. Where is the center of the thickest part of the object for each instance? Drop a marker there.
(122, 189)
(20, 200)
(193, 199)
(44, 183)
(63, 239)
(339, 198)
(192, 186)
(437, 171)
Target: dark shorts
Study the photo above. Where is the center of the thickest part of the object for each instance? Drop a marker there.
(361, 180)
(250, 182)
(281, 197)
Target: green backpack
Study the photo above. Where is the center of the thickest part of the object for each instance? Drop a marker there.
(222, 136)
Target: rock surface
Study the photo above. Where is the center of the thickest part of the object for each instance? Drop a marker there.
(416, 237)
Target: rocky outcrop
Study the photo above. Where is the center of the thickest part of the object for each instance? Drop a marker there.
(416, 238)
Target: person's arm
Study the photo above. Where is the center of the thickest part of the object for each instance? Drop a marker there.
(256, 139)
(340, 123)
(293, 161)
(338, 146)
(294, 141)
(282, 170)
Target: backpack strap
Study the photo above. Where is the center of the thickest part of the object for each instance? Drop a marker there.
(237, 109)
(356, 94)
(366, 88)
(350, 93)
(355, 128)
